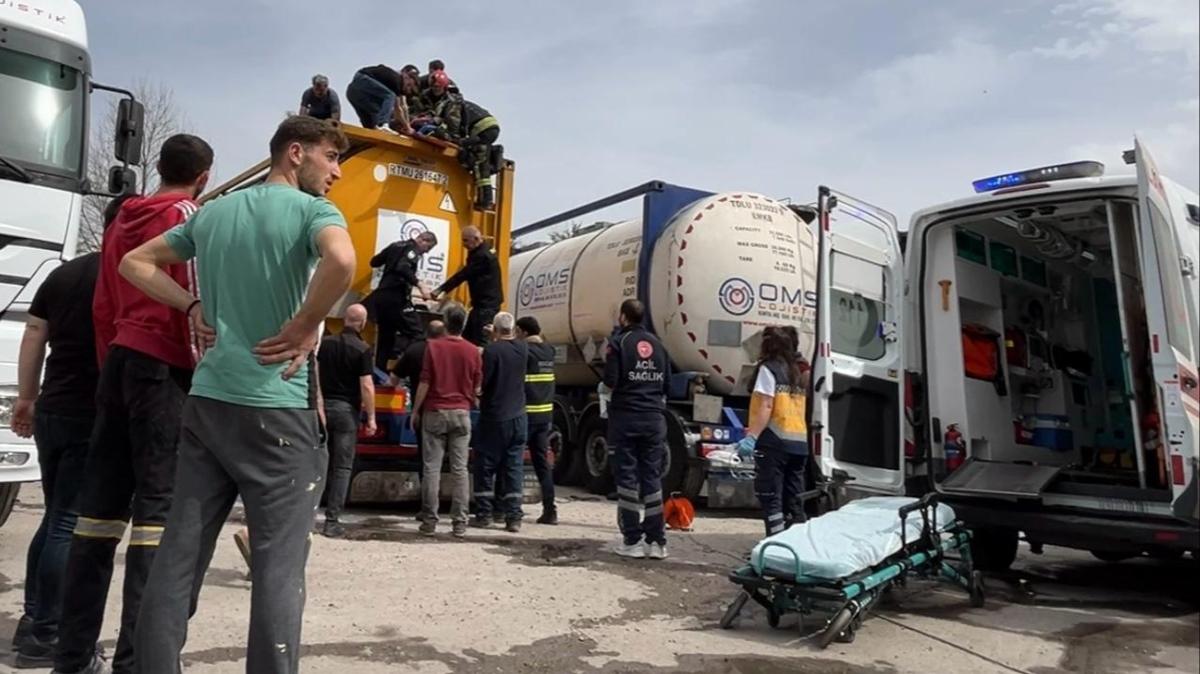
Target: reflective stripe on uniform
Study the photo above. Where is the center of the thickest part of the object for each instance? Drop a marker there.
(775, 517)
(537, 409)
(532, 378)
(484, 124)
(654, 510)
(149, 536)
(631, 494)
(89, 527)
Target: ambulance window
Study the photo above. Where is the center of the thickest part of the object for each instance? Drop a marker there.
(1172, 283)
(857, 308)
(855, 325)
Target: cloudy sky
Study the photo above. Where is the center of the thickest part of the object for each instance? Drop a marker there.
(902, 102)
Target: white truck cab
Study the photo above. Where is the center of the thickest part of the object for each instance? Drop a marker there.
(45, 84)
(1043, 335)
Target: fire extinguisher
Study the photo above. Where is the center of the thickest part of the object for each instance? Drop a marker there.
(954, 447)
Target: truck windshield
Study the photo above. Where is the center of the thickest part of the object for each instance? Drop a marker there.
(42, 126)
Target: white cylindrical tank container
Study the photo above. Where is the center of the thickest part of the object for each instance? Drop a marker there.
(724, 268)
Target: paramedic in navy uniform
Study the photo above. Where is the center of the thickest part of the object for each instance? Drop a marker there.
(637, 371)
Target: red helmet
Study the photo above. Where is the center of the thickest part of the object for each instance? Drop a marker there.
(440, 79)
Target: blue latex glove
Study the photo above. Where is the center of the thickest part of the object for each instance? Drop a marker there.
(745, 446)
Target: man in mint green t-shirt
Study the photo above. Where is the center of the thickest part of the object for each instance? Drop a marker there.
(250, 424)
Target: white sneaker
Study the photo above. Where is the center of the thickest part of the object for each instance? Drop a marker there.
(635, 551)
(656, 551)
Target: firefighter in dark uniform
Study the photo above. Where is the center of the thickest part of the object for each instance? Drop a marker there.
(481, 273)
(539, 410)
(391, 304)
(637, 372)
(479, 132)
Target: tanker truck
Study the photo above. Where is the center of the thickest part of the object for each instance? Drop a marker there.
(713, 270)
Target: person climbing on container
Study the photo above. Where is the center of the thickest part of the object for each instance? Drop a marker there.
(638, 372)
(777, 436)
(390, 305)
(481, 273)
(539, 409)
(375, 93)
(320, 101)
(478, 134)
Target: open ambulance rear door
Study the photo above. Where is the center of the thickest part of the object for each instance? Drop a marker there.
(1172, 325)
(857, 403)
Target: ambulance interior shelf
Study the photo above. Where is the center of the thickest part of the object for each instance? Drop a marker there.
(1043, 358)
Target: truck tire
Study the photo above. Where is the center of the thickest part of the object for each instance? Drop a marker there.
(678, 466)
(593, 454)
(8, 497)
(561, 447)
(994, 549)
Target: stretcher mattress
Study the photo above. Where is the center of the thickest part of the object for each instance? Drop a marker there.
(858, 536)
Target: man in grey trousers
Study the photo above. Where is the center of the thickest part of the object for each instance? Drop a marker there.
(450, 379)
(345, 365)
(250, 424)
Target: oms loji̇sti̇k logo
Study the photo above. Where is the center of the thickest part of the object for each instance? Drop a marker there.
(736, 296)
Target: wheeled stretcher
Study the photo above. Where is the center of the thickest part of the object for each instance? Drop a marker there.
(843, 562)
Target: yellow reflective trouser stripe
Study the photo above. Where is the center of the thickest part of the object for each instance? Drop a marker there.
(548, 407)
(94, 528)
(539, 378)
(149, 536)
(483, 125)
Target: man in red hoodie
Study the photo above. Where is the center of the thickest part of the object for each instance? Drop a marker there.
(147, 353)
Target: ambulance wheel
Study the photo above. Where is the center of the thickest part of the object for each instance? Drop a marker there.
(734, 610)
(977, 593)
(839, 624)
(8, 497)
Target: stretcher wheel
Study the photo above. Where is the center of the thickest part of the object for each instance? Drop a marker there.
(734, 610)
(840, 623)
(977, 592)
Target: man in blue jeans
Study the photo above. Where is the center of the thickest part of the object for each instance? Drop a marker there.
(377, 94)
(500, 444)
(58, 412)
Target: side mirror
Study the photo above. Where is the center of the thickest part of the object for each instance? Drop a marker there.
(130, 126)
(121, 180)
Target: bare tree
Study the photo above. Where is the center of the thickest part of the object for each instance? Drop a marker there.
(571, 231)
(164, 118)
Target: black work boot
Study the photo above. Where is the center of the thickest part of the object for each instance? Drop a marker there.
(549, 516)
(485, 198)
(21, 635)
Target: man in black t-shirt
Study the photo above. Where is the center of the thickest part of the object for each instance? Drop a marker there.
(500, 444)
(320, 101)
(345, 372)
(60, 418)
(375, 94)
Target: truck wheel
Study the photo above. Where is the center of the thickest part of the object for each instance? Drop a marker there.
(677, 465)
(598, 474)
(8, 497)
(994, 548)
(562, 444)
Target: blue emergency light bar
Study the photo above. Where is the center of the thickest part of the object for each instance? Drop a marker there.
(1078, 169)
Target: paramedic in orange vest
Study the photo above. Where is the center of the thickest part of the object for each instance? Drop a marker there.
(777, 436)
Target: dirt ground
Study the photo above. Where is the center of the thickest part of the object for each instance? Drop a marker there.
(554, 600)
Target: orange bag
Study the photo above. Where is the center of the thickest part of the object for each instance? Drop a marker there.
(679, 513)
(981, 352)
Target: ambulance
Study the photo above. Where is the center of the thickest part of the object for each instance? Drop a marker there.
(1029, 352)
